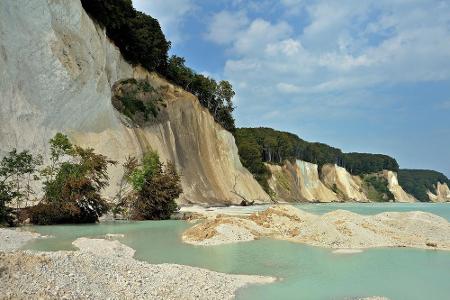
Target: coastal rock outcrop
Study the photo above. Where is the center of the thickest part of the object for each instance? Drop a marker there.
(347, 186)
(57, 71)
(302, 182)
(299, 181)
(338, 229)
(395, 188)
(442, 193)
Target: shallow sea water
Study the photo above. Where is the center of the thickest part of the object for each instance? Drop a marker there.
(305, 272)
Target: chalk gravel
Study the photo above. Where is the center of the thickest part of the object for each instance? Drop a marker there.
(105, 269)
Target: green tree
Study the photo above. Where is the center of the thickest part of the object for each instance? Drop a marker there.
(73, 185)
(156, 186)
(19, 166)
(419, 182)
(150, 166)
(60, 146)
(17, 170)
(259, 145)
(138, 36)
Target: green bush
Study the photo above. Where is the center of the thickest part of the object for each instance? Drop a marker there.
(17, 171)
(73, 184)
(155, 189)
(6, 197)
(138, 100)
(377, 188)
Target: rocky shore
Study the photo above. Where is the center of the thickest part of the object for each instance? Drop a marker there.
(338, 229)
(13, 239)
(104, 269)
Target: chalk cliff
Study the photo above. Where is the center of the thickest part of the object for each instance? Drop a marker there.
(395, 188)
(57, 68)
(301, 181)
(442, 193)
(349, 187)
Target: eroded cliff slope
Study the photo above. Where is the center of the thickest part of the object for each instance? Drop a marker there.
(299, 181)
(57, 71)
(442, 193)
(302, 182)
(395, 188)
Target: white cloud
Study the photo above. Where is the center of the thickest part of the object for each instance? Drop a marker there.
(259, 34)
(288, 88)
(225, 26)
(445, 105)
(401, 43)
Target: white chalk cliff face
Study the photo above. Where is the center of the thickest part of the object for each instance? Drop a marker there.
(56, 72)
(301, 182)
(442, 193)
(349, 186)
(394, 187)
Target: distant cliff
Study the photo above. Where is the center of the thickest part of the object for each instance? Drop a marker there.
(306, 182)
(57, 71)
(425, 185)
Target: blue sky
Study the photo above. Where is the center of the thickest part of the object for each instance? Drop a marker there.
(367, 76)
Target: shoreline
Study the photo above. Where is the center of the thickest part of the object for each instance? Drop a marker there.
(338, 229)
(105, 269)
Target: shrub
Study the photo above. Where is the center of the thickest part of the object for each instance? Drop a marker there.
(156, 186)
(138, 100)
(17, 171)
(72, 189)
(6, 197)
(377, 188)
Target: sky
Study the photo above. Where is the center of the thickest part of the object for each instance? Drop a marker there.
(364, 76)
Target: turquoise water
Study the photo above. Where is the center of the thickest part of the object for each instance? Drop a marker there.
(306, 272)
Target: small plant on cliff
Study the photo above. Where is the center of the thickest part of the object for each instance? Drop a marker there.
(72, 187)
(156, 186)
(377, 188)
(138, 100)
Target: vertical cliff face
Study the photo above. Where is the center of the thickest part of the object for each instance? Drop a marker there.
(442, 193)
(394, 187)
(348, 187)
(57, 71)
(299, 182)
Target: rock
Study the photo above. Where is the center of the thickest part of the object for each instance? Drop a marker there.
(108, 276)
(338, 229)
(13, 239)
(394, 187)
